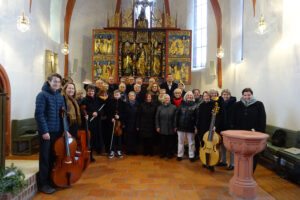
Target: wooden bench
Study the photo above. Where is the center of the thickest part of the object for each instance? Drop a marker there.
(283, 162)
(25, 139)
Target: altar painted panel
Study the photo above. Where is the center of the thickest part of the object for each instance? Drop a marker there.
(179, 55)
(105, 54)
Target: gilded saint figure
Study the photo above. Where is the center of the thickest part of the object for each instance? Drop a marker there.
(156, 66)
(127, 64)
(141, 60)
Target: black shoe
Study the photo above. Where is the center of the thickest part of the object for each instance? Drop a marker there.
(211, 168)
(162, 155)
(230, 167)
(170, 156)
(179, 158)
(204, 166)
(192, 159)
(93, 159)
(47, 189)
(220, 164)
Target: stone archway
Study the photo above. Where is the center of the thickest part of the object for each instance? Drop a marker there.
(5, 84)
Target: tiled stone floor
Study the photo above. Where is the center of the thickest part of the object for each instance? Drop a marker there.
(144, 177)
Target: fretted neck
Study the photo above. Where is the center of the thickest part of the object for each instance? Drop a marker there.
(211, 126)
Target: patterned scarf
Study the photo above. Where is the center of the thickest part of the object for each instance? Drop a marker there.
(73, 111)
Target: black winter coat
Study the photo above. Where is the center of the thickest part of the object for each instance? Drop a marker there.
(92, 105)
(227, 107)
(165, 119)
(251, 117)
(129, 88)
(164, 85)
(146, 119)
(204, 116)
(111, 89)
(116, 107)
(131, 113)
(185, 116)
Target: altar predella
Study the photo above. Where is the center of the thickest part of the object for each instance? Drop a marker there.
(142, 41)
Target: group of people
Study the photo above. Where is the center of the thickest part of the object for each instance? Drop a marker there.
(145, 113)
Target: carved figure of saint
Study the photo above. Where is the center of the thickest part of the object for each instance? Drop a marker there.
(127, 64)
(141, 62)
(156, 59)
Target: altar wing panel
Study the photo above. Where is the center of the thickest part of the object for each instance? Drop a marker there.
(105, 54)
(178, 55)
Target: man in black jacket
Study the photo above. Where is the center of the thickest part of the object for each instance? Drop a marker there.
(170, 86)
(111, 86)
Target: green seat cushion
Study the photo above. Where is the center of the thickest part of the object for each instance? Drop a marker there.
(273, 148)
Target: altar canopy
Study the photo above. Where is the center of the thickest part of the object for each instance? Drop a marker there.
(142, 41)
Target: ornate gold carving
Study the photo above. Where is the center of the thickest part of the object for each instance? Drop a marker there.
(127, 18)
(126, 36)
(142, 36)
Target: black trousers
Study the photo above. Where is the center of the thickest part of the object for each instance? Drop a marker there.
(97, 142)
(131, 142)
(117, 143)
(147, 143)
(166, 144)
(197, 144)
(46, 159)
(107, 131)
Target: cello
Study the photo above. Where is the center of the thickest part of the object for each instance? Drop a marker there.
(85, 144)
(210, 152)
(67, 168)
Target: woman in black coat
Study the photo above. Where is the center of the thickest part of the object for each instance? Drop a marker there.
(131, 112)
(185, 124)
(164, 121)
(203, 120)
(146, 125)
(249, 114)
(105, 121)
(90, 105)
(227, 102)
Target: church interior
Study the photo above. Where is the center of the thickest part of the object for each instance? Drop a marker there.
(203, 44)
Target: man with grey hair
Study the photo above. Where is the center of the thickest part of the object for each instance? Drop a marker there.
(138, 93)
